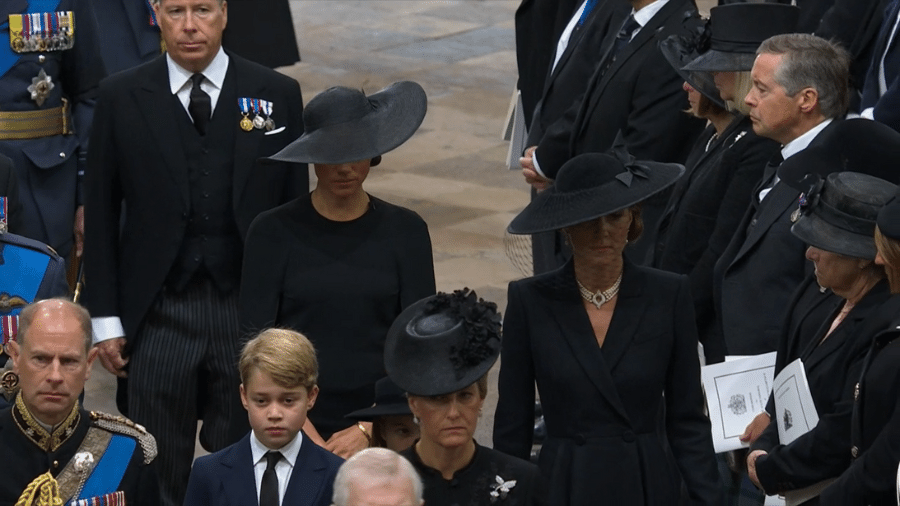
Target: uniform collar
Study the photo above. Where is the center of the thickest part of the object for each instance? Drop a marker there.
(47, 440)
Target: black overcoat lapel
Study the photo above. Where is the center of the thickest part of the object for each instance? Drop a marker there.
(161, 111)
(569, 313)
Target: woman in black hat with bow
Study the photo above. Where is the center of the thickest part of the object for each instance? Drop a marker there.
(339, 264)
(440, 351)
(875, 424)
(830, 334)
(612, 347)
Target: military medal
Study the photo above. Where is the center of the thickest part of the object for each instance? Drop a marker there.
(270, 123)
(246, 124)
(258, 121)
(42, 31)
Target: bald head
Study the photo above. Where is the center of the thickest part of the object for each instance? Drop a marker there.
(54, 309)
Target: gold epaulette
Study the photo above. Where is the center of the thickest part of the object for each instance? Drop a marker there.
(124, 426)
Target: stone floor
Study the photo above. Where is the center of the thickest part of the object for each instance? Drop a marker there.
(452, 172)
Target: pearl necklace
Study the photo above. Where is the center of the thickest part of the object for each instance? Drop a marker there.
(599, 297)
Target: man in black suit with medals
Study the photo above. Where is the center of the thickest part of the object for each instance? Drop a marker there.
(176, 140)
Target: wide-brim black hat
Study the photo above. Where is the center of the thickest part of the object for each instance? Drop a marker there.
(389, 400)
(343, 125)
(443, 343)
(889, 218)
(679, 51)
(592, 185)
(738, 30)
(839, 213)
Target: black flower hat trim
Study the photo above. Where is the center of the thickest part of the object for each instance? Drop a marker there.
(482, 322)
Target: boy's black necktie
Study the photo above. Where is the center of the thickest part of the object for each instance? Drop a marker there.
(268, 491)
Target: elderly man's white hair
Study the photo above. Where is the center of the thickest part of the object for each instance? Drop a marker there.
(374, 466)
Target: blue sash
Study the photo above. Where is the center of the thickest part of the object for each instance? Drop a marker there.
(8, 57)
(22, 271)
(107, 474)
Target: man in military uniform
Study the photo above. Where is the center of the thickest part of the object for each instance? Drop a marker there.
(49, 75)
(55, 450)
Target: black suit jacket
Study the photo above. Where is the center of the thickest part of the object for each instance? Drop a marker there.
(226, 478)
(565, 84)
(137, 157)
(262, 31)
(538, 26)
(639, 95)
(832, 369)
(755, 277)
(603, 407)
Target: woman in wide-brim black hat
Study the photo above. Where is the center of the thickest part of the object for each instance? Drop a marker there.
(340, 264)
(727, 160)
(439, 350)
(832, 319)
(611, 346)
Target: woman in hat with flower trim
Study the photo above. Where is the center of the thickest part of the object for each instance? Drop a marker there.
(340, 264)
(830, 334)
(440, 350)
(393, 426)
(612, 347)
(875, 423)
(727, 161)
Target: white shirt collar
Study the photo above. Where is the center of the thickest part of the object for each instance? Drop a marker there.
(214, 72)
(646, 13)
(800, 143)
(288, 451)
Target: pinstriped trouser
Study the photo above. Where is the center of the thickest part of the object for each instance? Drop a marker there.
(184, 368)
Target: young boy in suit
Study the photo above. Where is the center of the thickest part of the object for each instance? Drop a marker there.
(274, 464)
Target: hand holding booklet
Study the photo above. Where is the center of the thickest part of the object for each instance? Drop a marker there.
(736, 391)
(796, 415)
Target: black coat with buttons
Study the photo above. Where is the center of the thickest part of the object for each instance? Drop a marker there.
(832, 367)
(875, 430)
(625, 421)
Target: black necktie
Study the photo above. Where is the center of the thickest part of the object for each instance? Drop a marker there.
(769, 173)
(624, 35)
(200, 106)
(268, 491)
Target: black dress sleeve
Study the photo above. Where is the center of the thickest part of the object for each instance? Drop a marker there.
(514, 418)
